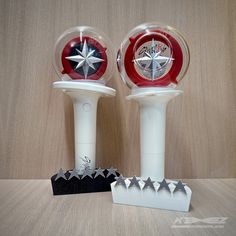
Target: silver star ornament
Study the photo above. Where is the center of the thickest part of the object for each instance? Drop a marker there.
(153, 60)
(149, 184)
(134, 181)
(73, 173)
(99, 171)
(180, 187)
(85, 59)
(120, 181)
(60, 174)
(87, 172)
(164, 185)
(111, 171)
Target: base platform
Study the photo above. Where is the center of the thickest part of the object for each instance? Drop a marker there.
(70, 182)
(168, 194)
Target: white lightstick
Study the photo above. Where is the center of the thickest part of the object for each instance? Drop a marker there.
(83, 61)
(152, 59)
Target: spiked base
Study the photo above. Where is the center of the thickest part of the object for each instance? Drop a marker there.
(87, 184)
(152, 197)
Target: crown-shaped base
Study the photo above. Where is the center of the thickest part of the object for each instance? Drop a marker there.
(71, 182)
(167, 194)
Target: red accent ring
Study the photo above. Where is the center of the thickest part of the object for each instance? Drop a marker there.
(68, 69)
(170, 77)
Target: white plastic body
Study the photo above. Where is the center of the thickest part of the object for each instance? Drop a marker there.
(176, 201)
(153, 102)
(85, 97)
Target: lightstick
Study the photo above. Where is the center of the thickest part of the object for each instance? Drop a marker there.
(152, 60)
(83, 61)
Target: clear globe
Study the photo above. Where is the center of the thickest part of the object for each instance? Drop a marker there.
(153, 55)
(83, 54)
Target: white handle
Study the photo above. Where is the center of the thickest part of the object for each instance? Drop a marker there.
(85, 116)
(153, 102)
(85, 96)
(152, 138)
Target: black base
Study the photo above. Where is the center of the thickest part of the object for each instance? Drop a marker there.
(86, 185)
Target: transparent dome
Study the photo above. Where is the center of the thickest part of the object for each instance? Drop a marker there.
(153, 55)
(83, 54)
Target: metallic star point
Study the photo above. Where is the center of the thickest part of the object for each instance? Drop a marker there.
(120, 181)
(111, 171)
(85, 59)
(87, 172)
(134, 182)
(149, 184)
(180, 187)
(153, 60)
(73, 173)
(60, 174)
(99, 171)
(164, 185)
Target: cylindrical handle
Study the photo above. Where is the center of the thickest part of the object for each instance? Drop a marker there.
(85, 96)
(153, 102)
(152, 138)
(85, 114)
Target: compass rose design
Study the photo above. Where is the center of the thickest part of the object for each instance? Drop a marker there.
(153, 61)
(84, 59)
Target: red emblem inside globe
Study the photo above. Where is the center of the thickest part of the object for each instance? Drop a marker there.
(153, 59)
(84, 58)
(153, 55)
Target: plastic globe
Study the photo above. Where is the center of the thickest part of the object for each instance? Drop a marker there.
(83, 54)
(153, 55)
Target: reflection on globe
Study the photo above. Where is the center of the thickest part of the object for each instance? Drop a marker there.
(153, 55)
(83, 54)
